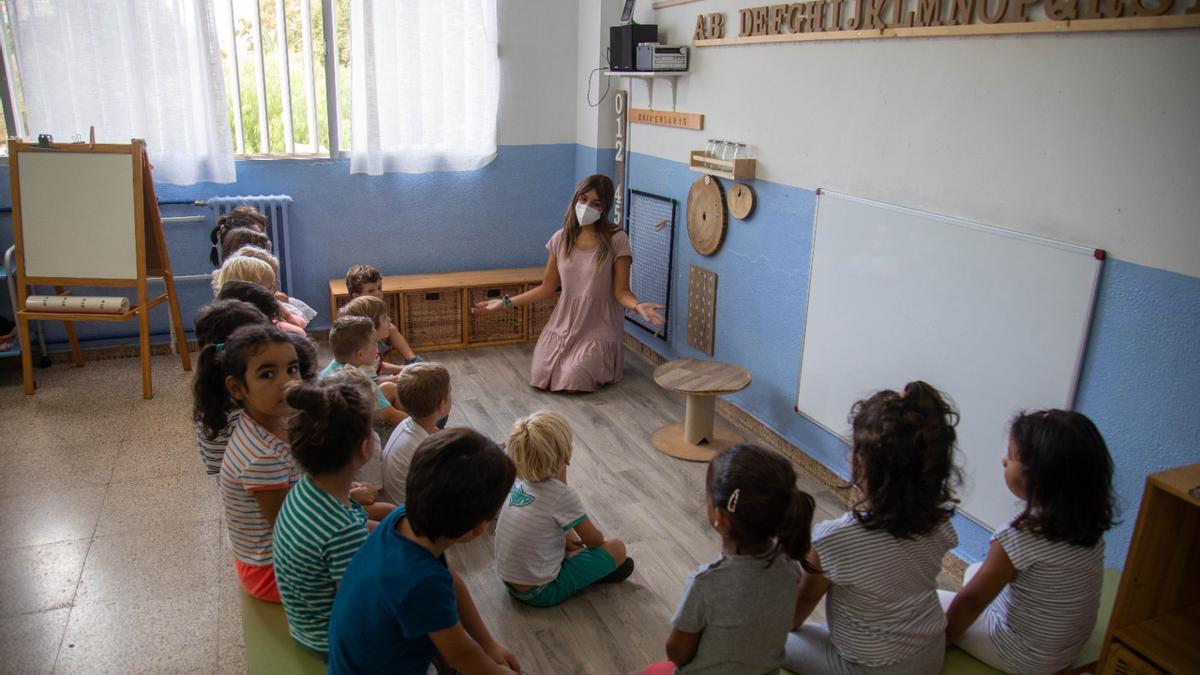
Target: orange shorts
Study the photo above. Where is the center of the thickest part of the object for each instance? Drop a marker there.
(258, 581)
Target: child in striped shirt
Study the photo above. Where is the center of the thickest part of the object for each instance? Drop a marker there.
(1038, 589)
(214, 324)
(547, 548)
(252, 371)
(319, 527)
(880, 561)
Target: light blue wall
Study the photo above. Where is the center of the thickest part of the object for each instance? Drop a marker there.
(498, 216)
(1141, 376)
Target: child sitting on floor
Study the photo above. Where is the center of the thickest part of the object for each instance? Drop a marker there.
(319, 527)
(352, 341)
(260, 297)
(1038, 590)
(238, 217)
(547, 548)
(376, 310)
(736, 612)
(251, 370)
(243, 236)
(214, 324)
(399, 603)
(365, 280)
(295, 310)
(879, 562)
(423, 389)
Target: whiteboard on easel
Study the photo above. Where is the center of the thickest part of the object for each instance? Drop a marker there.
(996, 319)
(77, 215)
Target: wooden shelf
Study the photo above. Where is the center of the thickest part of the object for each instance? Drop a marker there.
(733, 169)
(1170, 638)
(425, 282)
(646, 74)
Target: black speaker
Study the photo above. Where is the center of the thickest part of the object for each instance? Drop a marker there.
(623, 41)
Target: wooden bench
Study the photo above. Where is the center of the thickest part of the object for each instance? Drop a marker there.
(433, 311)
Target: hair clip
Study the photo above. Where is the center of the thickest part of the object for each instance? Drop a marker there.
(731, 505)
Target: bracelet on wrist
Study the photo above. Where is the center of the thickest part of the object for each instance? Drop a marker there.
(507, 302)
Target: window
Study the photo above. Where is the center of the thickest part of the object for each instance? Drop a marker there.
(278, 80)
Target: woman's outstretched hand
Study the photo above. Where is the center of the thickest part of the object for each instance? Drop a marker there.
(650, 312)
(487, 306)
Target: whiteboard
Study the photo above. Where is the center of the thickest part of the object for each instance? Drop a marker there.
(77, 215)
(994, 318)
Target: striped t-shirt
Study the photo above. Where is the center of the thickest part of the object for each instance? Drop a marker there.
(255, 460)
(1043, 617)
(883, 605)
(315, 538)
(530, 535)
(212, 452)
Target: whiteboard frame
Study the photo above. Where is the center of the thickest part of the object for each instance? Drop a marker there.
(1081, 346)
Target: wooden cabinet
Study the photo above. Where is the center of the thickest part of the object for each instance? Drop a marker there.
(1155, 625)
(434, 310)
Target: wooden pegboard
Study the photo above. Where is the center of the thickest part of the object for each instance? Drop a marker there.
(702, 308)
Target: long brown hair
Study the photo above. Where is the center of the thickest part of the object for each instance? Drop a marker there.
(603, 186)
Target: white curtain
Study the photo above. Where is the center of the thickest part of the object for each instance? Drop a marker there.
(146, 69)
(426, 85)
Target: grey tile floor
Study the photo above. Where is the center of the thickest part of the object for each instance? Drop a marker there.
(110, 532)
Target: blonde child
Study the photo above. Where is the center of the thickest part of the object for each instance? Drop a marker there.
(423, 390)
(251, 371)
(399, 604)
(320, 527)
(879, 562)
(352, 341)
(376, 310)
(736, 611)
(214, 324)
(544, 520)
(365, 280)
(1038, 590)
(295, 310)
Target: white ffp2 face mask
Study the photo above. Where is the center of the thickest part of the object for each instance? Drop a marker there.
(586, 214)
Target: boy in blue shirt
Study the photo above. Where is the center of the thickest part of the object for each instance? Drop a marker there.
(398, 603)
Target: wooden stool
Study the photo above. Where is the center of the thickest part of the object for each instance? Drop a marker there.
(698, 439)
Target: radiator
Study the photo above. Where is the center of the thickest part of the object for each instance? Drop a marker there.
(275, 208)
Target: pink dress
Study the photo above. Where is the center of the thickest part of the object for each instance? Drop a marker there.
(581, 347)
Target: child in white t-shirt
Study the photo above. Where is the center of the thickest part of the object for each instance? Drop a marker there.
(423, 389)
(547, 548)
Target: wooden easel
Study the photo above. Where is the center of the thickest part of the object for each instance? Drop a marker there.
(86, 215)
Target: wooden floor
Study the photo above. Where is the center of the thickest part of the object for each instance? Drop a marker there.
(652, 502)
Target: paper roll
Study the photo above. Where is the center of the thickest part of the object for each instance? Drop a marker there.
(77, 303)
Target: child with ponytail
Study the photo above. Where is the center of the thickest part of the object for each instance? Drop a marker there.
(319, 527)
(214, 324)
(251, 372)
(879, 561)
(736, 611)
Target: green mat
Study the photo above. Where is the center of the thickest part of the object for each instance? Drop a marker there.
(269, 648)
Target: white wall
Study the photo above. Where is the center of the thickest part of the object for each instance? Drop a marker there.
(1091, 139)
(595, 126)
(538, 48)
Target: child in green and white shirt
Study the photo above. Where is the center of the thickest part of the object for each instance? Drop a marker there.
(319, 528)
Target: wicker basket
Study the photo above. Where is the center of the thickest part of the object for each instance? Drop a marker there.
(394, 300)
(502, 325)
(539, 314)
(433, 318)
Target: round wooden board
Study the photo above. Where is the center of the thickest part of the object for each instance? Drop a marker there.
(706, 215)
(669, 440)
(741, 201)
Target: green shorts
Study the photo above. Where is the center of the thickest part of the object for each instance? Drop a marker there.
(577, 573)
